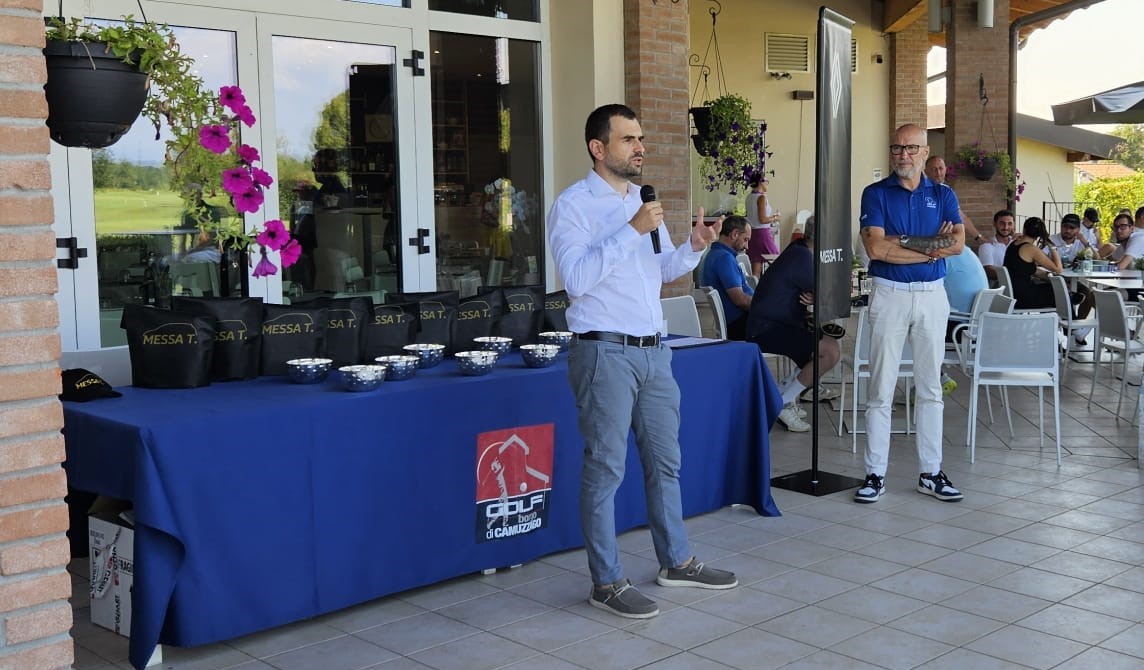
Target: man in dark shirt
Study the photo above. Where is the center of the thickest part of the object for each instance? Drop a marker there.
(777, 323)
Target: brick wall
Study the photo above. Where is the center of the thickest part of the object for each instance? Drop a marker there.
(655, 83)
(978, 51)
(908, 49)
(34, 613)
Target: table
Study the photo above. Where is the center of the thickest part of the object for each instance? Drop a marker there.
(1119, 283)
(1073, 276)
(263, 502)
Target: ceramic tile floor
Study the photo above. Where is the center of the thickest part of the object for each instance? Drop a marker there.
(1039, 567)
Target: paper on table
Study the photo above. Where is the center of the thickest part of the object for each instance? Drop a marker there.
(684, 342)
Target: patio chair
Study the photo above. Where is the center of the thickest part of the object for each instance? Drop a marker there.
(860, 369)
(1069, 324)
(1017, 350)
(681, 316)
(716, 304)
(965, 332)
(1115, 336)
(1005, 283)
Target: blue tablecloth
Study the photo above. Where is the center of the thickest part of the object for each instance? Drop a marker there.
(264, 502)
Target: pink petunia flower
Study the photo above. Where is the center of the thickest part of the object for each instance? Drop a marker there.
(265, 268)
(245, 114)
(237, 180)
(248, 201)
(273, 235)
(261, 177)
(290, 253)
(248, 154)
(214, 138)
(231, 97)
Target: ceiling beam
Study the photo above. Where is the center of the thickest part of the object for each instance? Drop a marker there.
(900, 14)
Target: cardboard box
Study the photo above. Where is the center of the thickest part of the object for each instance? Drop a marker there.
(111, 556)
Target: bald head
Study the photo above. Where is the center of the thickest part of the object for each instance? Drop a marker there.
(935, 169)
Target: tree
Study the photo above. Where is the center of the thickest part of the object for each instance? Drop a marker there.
(1131, 152)
(1110, 196)
(333, 130)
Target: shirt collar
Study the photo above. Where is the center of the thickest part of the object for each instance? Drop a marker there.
(600, 188)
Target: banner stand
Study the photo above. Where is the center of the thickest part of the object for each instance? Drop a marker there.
(832, 244)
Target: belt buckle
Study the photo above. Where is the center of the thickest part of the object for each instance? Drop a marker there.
(646, 341)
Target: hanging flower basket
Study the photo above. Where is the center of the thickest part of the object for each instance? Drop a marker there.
(701, 117)
(984, 169)
(93, 96)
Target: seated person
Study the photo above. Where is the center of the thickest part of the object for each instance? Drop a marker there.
(204, 251)
(992, 253)
(1129, 242)
(1030, 257)
(1069, 242)
(777, 323)
(721, 271)
(964, 279)
(1090, 232)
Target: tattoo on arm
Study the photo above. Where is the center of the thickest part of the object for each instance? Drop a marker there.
(928, 245)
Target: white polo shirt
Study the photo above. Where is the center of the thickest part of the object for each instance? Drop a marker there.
(992, 253)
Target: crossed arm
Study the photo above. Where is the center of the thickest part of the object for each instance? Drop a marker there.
(904, 251)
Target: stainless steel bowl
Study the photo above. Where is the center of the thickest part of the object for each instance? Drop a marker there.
(430, 354)
(308, 370)
(400, 366)
(501, 345)
(560, 338)
(539, 355)
(362, 377)
(474, 363)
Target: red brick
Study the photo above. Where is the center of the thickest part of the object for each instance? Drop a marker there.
(32, 556)
(54, 656)
(30, 488)
(27, 246)
(24, 349)
(32, 281)
(22, 69)
(27, 315)
(25, 174)
(25, 209)
(25, 524)
(24, 139)
(34, 5)
(41, 417)
(31, 453)
(27, 384)
(24, 104)
(39, 624)
(23, 31)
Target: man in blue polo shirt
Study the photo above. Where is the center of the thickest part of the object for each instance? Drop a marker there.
(721, 271)
(909, 225)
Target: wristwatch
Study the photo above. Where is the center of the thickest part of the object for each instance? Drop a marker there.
(977, 237)
(903, 240)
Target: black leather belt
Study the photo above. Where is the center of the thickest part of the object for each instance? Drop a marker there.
(641, 341)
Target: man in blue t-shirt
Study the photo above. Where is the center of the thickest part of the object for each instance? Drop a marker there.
(721, 271)
(909, 225)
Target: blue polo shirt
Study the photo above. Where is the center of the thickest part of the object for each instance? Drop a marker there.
(887, 204)
(721, 271)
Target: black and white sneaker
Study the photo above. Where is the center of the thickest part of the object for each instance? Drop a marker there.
(939, 487)
(624, 600)
(870, 490)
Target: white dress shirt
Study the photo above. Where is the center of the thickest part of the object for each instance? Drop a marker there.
(992, 253)
(1067, 251)
(1134, 247)
(609, 270)
(1089, 234)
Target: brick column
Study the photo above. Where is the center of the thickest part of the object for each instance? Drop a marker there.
(978, 51)
(35, 616)
(908, 49)
(655, 82)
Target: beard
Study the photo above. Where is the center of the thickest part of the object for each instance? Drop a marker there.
(622, 168)
(907, 172)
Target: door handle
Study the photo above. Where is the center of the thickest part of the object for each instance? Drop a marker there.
(421, 241)
(75, 252)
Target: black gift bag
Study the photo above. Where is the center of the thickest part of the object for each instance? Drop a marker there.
(238, 333)
(477, 316)
(290, 332)
(345, 327)
(437, 318)
(169, 349)
(523, 314)
(392, 327)
(555, 304)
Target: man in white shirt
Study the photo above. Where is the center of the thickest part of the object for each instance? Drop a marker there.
(1088, 229)
(1129, 242)
(619, 370)
(1069, 242)
(992, 253)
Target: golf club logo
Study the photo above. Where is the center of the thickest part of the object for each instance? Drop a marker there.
(514, 480)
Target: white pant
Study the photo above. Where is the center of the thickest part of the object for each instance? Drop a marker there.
(920, 316)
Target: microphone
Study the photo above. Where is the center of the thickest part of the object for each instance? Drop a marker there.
(647, 194)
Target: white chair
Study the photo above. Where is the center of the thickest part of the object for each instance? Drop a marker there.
(716, 304)
(965, 332)
(1069, 324)
(1005, 283)
(1017, 350)
(1113, 335)
(682, 316)
(860, 369)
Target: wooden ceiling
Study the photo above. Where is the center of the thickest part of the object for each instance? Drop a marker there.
(901, 13)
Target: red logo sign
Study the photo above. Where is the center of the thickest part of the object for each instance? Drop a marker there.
(514, 478)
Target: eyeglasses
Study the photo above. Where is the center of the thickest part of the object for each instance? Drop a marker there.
(1122, 225)
(911, 149)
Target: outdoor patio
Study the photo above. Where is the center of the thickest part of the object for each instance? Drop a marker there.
(1038, 567)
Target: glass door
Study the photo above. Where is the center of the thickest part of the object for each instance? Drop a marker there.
(342, 137)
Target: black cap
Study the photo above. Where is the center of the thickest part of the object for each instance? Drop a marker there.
(82, 385)
(1091, 214)
(1070, 220)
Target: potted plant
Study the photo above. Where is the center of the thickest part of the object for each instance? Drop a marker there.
(717, 119)
(734, 151)
(101, 76)
(982, 164)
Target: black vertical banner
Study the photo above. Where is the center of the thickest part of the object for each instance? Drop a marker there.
(832, 206)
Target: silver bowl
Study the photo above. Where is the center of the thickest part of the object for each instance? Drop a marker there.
(560, 338)
(539, 355)
(430, 354)
(362, 377)
(474, 363)
(400, 366)
(501, 345)
(308, 370)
